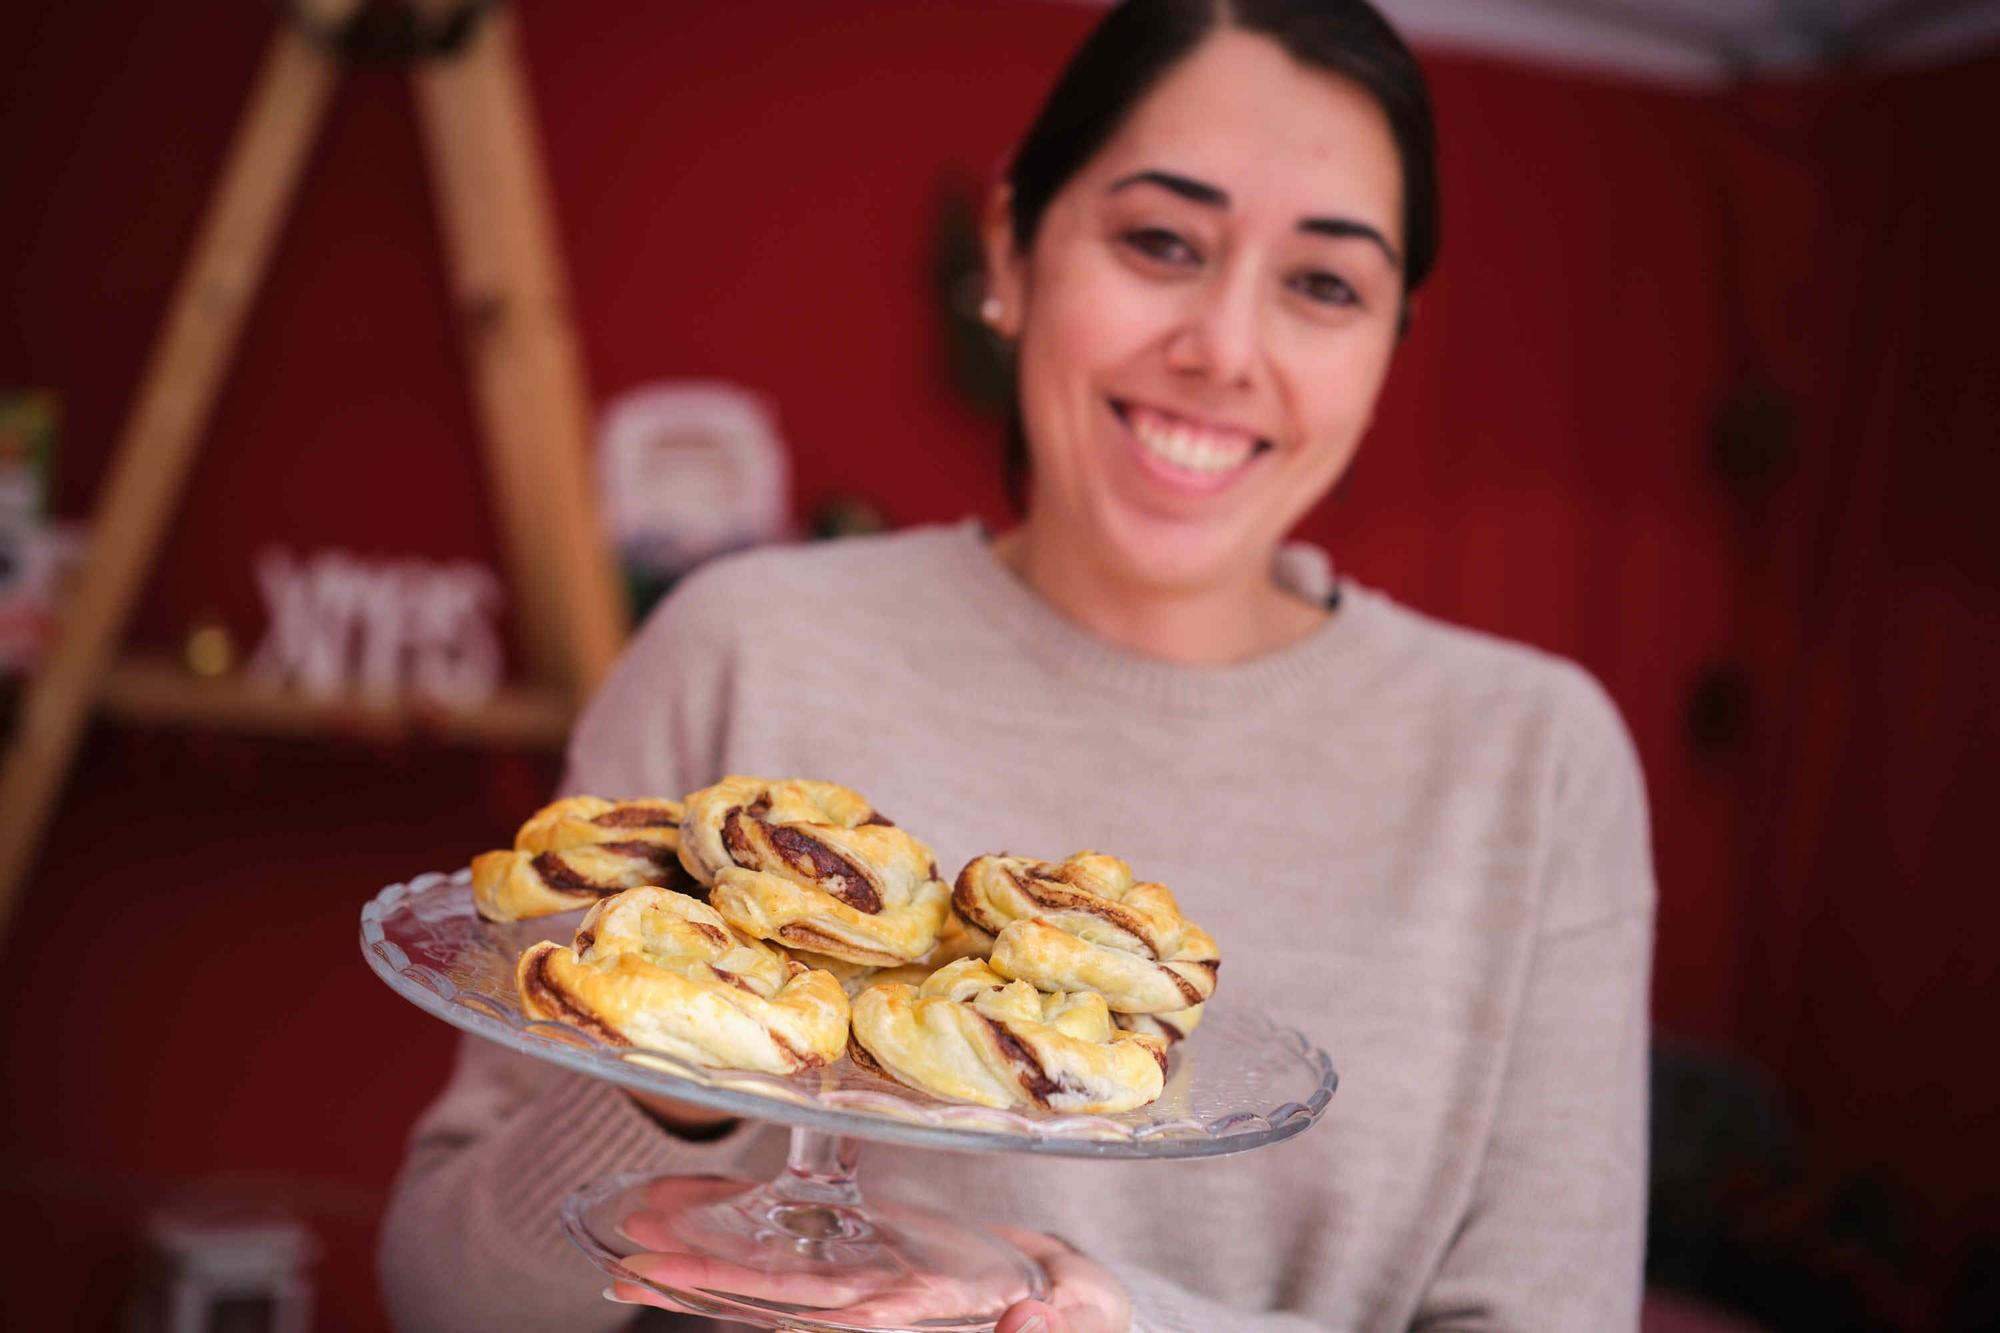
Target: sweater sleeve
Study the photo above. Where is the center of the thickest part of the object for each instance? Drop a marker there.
(470, 1239)
(1553, 1235)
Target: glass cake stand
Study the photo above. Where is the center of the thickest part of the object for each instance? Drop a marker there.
(804, 1251)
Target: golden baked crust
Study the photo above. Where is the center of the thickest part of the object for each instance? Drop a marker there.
(704, 847)
(970, 1035)
(663, 971)
(857, 977)
(959, 938)
(811, 865)
(1085, 924)
(575, 851)
(578, 821)
(511, 886)
(1172, 1026)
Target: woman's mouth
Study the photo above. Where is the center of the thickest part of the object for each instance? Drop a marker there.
(1197, 457)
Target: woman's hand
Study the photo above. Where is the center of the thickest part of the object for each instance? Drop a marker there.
(1083, 1295)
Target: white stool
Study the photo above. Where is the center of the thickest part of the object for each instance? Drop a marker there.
(243, 1273)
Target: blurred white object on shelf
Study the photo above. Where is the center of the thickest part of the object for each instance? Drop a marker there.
(688, 471)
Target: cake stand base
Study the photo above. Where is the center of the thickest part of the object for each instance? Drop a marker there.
(802, 1252)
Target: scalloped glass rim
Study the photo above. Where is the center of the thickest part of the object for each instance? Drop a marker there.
(1274, 1083)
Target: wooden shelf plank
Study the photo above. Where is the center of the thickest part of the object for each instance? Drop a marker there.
(158, 690)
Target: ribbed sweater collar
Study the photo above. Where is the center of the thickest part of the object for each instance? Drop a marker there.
(1068, 650)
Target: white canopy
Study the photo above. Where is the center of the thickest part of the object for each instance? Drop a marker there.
(1703, 40)
(1706, 39)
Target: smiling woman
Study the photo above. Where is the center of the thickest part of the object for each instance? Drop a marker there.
(1205, 313)
(1423, 847)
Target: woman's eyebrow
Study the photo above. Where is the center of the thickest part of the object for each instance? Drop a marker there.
(1201, 192)
(1187, 187)
(1346, 229)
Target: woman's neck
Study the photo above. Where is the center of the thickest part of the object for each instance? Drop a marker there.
(1231, 621)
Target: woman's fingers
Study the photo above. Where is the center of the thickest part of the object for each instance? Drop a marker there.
(698, 1273)
(1083, 1297)
(918, 1298)
(631, 1293)
(1023, 1318)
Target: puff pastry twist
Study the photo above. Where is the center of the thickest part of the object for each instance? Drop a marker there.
(576, 851)
(857, 977)
(663, 971)
(1085, 924)
(1172, 1026)
(811, 865)
(956, 940)
(579, 821)
(968, 1034)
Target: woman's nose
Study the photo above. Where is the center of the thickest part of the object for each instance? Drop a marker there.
(1218, 335)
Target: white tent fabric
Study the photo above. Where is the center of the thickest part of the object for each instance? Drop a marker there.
(1703, 41)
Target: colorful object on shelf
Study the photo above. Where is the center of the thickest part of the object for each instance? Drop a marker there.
(28, 419)
(35, 555)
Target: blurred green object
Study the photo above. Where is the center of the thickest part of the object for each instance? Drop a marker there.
(28, 421)
(845, 515)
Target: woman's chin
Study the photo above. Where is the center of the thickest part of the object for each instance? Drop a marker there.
(1174, 556)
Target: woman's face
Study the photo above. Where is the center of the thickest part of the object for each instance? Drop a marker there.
(1206, 316)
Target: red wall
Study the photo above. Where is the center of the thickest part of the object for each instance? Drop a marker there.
(750, 192)
(1876, 573)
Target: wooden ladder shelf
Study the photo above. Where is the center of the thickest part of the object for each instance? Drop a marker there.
(528, 387)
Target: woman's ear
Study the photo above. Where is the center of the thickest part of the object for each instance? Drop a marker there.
(1006, 285)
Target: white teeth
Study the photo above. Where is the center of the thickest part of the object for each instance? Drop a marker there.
(1188, 447)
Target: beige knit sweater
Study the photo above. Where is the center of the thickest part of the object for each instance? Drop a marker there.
(1424, 847)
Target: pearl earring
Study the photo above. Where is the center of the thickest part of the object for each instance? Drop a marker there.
(991, 310)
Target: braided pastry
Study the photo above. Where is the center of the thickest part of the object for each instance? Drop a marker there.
(1083, 924)
(1172, 1026)
(577, 821)
(957, 939)
(663, 971)
(970, 1035)
(575, 851)
(857, 977)
(811, 865)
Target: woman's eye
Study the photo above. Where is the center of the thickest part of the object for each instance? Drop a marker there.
(1326, 289)
(1162, 245)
